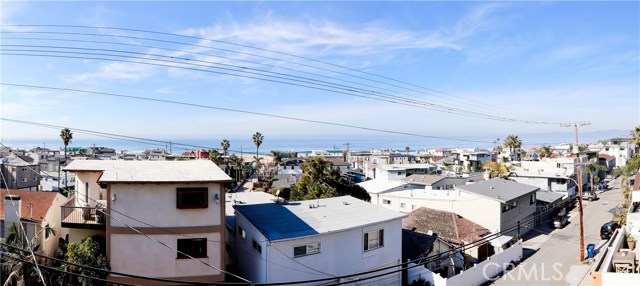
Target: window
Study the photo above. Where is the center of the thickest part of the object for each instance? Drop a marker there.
(24, 179)
(386, 202)
(24, 169)
(413, 207)
(373, 240)
(399, 173)
(403, 205)
(86, 191)
(196, 247)
(532, 199)
(308, 249)
(242, 233)
(192, 198)
(257, 246)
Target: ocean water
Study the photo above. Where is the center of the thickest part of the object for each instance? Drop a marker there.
(245, 145)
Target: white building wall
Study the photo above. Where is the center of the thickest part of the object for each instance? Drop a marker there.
(133, 253)
(52, 218)
(341, 253)
(94, 189)
(155, 204)
(482, 211)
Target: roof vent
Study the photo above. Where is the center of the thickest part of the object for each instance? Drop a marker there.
(345, 203)
(491, 187)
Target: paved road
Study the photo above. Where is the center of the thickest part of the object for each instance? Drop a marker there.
(556, 261)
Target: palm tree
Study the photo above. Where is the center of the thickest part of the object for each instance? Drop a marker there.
(20, 266)
(497, 169)
(513, 143)
(225, 148)
(626, 172)
(66, 136)
(214, 156)
(257, 140)
(237, 163)
(591, 168)
(545, 151)
(635, 137)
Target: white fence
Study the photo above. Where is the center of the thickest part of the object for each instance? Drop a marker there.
(476, 275)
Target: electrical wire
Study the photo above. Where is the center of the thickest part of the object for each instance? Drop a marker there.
(24, 232)
(349, 92)
(430, 91)
(270, 74)
(247, 112)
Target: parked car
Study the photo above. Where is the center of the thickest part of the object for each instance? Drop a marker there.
(589, 196)
(560, 221)
(607, 229)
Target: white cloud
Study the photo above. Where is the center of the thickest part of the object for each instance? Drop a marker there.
(114, 71)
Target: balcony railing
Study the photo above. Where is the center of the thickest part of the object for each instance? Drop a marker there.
(83, 217)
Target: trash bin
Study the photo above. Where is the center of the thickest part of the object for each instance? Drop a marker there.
(591, 250)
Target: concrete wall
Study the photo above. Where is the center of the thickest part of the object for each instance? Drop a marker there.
(137, 254)
(489, 268)
(341, 253)
(94, 189)
(155, 204)
(482, 211)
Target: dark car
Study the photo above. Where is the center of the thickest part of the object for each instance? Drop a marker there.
(607, 229)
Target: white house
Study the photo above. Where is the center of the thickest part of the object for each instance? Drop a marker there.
(180, 204)
(317, 239)
(396, 172)
(555, 175)
(621, 149)
(495, 204)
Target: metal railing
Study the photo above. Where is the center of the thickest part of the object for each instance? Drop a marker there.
(83, 215)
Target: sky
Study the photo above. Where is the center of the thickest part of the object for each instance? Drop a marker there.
(376, 65)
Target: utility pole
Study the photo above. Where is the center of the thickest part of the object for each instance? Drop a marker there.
(577, 125)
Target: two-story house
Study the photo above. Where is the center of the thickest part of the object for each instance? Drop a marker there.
(283, 242)
(162, 219)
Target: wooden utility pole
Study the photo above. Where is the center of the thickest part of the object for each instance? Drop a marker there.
(577, 125)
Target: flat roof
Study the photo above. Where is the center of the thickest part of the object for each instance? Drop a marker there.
(398, 167)
(121, 171)
(548, 196)
(314, 217)
(499, 189)
(376, 186)
(244, 198)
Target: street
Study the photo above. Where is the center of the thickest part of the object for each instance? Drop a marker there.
(557, 252)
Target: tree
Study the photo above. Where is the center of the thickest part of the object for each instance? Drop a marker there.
(545, 151)
(635, 137)
(66, 136)
(215, 157)
(497, 169)
(626, 172)
(514, 143)
(91, 251)
(591, 168)
(225, 148)
(319, 180)
(21, 263)
(277, 157)
(257, 140)
(237, 164)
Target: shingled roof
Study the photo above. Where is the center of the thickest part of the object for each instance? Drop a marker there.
(446, 225)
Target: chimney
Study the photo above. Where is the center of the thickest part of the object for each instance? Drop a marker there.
(12, 207)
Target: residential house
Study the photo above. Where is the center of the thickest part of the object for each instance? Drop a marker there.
(495, 204)
(618, 263)
(176, 205)
(19, 172)
(452, 228)
(556, 175)
(621, 149)
(291, 167)
(397, 172)
(282, 242)
(443, 258)
(548, 206)
(35, 211)
(435, 182)
(608, 161)
(471, 159)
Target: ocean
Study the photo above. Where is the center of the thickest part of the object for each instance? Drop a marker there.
(302, 145)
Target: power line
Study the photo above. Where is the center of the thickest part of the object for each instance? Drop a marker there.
(279, 79)
(24, 232)
(246, 112)
(255, 48)
(474, 103)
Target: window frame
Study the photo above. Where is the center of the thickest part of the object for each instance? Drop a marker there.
(256, 246)
(306, 249)
(367, 239)
(182, 192)
(242, 232)
(191, 248)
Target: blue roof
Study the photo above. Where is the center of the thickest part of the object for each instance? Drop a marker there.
(306, 218)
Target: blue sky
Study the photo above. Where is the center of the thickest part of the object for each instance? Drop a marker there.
(537, 61)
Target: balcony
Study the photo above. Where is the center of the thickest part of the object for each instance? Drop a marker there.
(83, 217)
